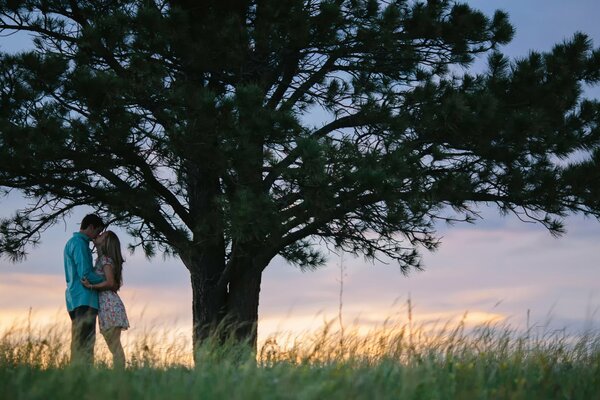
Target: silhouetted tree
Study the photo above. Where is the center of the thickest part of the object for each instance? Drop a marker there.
(189, 123)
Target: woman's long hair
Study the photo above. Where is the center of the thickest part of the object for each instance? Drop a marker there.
(111, 248)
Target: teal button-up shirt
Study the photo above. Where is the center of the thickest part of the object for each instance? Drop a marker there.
(78, 264)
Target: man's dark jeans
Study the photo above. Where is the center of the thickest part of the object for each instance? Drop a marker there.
(83, 334)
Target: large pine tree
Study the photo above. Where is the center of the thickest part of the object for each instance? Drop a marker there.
(189, 123)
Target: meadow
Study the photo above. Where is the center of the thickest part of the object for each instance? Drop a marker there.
(491, 361)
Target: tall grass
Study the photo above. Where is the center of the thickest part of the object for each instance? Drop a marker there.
(491, 361)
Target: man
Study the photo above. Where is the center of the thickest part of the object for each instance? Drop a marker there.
(82, 303)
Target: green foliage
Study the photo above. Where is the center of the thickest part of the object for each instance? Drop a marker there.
(196, 118)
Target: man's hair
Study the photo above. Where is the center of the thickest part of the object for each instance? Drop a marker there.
(92, 219)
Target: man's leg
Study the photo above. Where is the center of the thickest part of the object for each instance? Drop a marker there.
(83, 334)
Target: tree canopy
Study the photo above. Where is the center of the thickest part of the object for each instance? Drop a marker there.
(192, 124)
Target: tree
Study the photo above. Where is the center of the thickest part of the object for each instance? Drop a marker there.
(186, 122)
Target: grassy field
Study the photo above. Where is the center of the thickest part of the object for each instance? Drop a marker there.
(490, 362)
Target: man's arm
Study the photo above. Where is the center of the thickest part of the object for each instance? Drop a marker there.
(83, 260)
(108, 284)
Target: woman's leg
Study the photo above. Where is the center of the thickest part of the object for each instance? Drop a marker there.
(113, 340)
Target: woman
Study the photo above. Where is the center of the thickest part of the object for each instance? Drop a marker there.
(111, 312)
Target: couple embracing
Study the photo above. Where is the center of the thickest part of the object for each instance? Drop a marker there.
(92, 291)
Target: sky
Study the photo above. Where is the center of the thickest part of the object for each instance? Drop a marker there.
(499, 269)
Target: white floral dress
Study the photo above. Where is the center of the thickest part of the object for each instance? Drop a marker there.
(111, 312)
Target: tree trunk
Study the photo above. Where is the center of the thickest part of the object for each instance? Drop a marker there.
(205, 258)
(224, 312)
(209, 302)
(208, 308)
(242, 302)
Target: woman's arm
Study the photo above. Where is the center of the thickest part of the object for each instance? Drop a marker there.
(108, 284)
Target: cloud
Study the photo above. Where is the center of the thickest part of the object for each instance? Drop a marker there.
(504, 271)
(500, 272)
